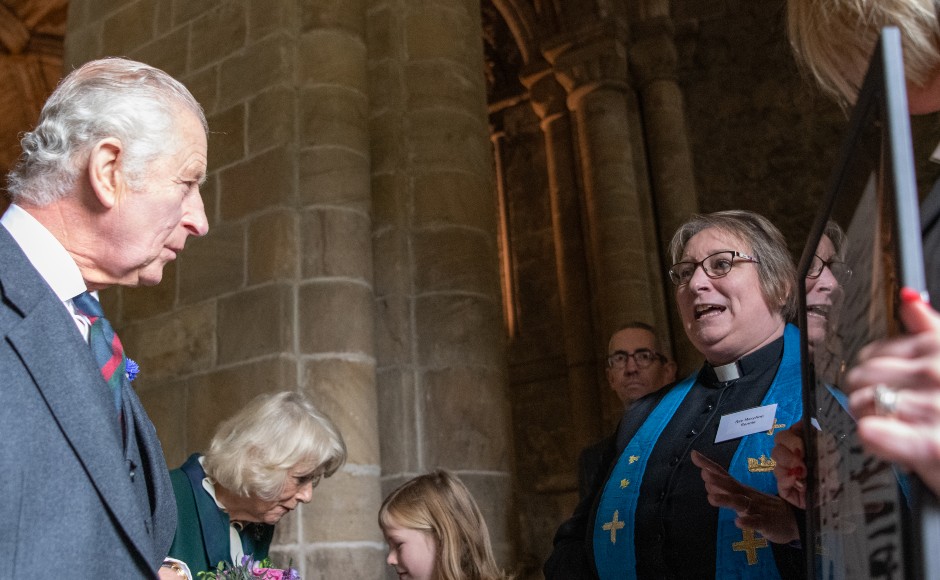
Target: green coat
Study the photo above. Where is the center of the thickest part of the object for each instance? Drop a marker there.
(202, 529)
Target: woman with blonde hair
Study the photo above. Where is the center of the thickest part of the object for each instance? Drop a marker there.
(261, 464)
(435, 531)
(835, 39)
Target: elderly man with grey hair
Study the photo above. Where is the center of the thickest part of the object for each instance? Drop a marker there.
(106, 192)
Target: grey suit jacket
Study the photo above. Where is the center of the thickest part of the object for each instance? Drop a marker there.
(75, 499)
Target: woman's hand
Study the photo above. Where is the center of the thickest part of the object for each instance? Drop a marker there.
(173, 569)
(790, 468)
(767, 514)
(908, 430)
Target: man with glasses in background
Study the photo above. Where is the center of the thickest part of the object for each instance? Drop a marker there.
(636, 367)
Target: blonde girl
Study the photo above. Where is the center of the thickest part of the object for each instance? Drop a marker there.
(435, 531)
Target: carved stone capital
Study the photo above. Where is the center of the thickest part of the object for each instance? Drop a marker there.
(597, 59)
(653, 53)
(546, 95)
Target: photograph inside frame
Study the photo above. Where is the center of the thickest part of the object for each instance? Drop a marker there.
(865, 245)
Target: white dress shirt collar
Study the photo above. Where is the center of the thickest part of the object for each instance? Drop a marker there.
(44, 252)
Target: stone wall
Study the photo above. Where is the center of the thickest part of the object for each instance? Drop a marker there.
(764, 138)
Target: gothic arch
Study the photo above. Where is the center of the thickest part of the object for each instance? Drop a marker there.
(523, 24)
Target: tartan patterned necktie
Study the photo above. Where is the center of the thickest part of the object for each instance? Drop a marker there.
(105, 345)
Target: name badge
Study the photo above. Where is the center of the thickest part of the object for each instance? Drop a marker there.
(746, 422)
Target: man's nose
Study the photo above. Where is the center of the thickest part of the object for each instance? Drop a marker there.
(630, 366)
(194, 215)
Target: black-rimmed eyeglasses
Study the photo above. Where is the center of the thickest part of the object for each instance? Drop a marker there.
(643, 357)
(715, 266)
(840, 271)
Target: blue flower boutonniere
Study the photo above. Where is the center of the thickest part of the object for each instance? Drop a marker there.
(131, 368)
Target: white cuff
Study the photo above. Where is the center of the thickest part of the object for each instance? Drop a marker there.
(178, 566)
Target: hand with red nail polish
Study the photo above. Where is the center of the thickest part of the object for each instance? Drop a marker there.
(907, 368)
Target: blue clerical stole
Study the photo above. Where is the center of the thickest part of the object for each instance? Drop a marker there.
(741, 553)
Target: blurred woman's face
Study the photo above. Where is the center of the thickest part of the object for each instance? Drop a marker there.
(301, 480)
(728, 317)
(821, 292)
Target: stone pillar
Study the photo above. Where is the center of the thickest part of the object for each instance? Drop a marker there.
(440, 335)
(279, 295)
(593, 71)
(548, 100)
(335, 297)
(653, 59)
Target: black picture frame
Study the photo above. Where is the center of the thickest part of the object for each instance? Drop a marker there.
(864, 517)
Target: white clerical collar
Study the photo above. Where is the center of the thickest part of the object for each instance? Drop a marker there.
(44, 252)
(728, 372)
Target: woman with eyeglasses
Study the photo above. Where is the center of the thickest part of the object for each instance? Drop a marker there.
(651, 517)
(763, 512)
(261, 464)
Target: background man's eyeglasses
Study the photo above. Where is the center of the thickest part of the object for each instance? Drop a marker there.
(715, 266)
(643, 357)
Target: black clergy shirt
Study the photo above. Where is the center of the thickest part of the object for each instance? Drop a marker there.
(675, 527)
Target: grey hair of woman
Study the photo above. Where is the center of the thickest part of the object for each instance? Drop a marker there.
(836, 235)
(253, 452)
(776, 271)
(113, 97)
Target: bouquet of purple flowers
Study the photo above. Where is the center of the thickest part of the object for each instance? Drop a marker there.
(249, 569)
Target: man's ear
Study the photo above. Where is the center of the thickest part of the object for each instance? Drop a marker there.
(669, 372)
(105, 174)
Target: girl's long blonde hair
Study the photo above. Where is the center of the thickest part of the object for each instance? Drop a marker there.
(439, 504)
